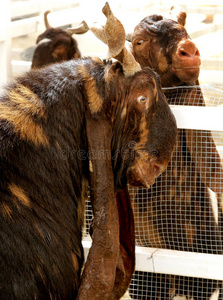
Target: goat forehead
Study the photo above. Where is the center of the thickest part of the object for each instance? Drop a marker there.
(147, 77)
(162, 27)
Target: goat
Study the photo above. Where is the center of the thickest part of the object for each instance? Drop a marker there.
(182, 218)
(54, 45)
(88, 120)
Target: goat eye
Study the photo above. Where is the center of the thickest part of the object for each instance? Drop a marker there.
(155, 152)
(140, 42)
(142, 99)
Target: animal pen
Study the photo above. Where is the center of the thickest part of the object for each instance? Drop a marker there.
(176, 269)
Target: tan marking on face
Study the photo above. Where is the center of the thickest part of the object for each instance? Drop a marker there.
(95, 102)
(144, 130)
(75, 261)
(155, 91)
(20, 194)
(24, 105)
(123, 113)
(162, 62)
(108, 75)
(143, 135)
(6, 210)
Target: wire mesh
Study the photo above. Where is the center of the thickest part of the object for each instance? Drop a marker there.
(183, 209)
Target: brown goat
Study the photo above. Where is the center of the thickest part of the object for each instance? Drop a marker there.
(177, 212)
(83, 120)
(54, 45)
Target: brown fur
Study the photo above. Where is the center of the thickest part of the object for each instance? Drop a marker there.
(54, 45)
(177, 209)
(49, 128)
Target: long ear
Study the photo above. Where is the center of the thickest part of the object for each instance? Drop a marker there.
(100, 268)
(178, 14)
(113, 34)
(204, 152)
(126, 262)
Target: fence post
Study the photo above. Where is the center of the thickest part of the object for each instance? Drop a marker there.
(5, 42)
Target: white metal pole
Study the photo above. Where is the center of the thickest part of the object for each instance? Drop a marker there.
(5, 43)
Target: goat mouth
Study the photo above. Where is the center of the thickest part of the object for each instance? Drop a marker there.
(138, 177)
(195, 68)
(137, 183)
(187, 74)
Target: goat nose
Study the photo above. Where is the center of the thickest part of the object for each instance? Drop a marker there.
(187, 49)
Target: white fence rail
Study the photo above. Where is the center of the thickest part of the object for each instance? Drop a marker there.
(200, 118)
(174, 262)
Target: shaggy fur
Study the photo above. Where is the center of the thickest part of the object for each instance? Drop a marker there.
(44, 160)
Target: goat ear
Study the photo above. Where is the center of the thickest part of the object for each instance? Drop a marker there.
(113, 245)
(126, 262)
(104, 252)
(178, 14)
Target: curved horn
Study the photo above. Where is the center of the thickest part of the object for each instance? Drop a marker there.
(82, 28)
(97, 29)
(116, 37)
(129, 37)
(112, 34)
(46, 22)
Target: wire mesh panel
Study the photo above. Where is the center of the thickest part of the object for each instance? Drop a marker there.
(182, 210)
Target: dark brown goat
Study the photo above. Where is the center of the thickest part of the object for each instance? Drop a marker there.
(54, 122)
(54, 45)
(177, 208)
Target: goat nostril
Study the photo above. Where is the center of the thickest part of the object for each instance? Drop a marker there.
(197, 53)
(183, 53)
(156, 170)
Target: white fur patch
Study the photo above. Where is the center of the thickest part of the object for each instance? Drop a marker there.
(44, 41)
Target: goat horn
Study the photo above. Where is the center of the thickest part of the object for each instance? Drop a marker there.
(116, 37)
(97, 29)
(82, 28)
(129, 64)
(114, 32)
(129, 37)
(46, 22)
